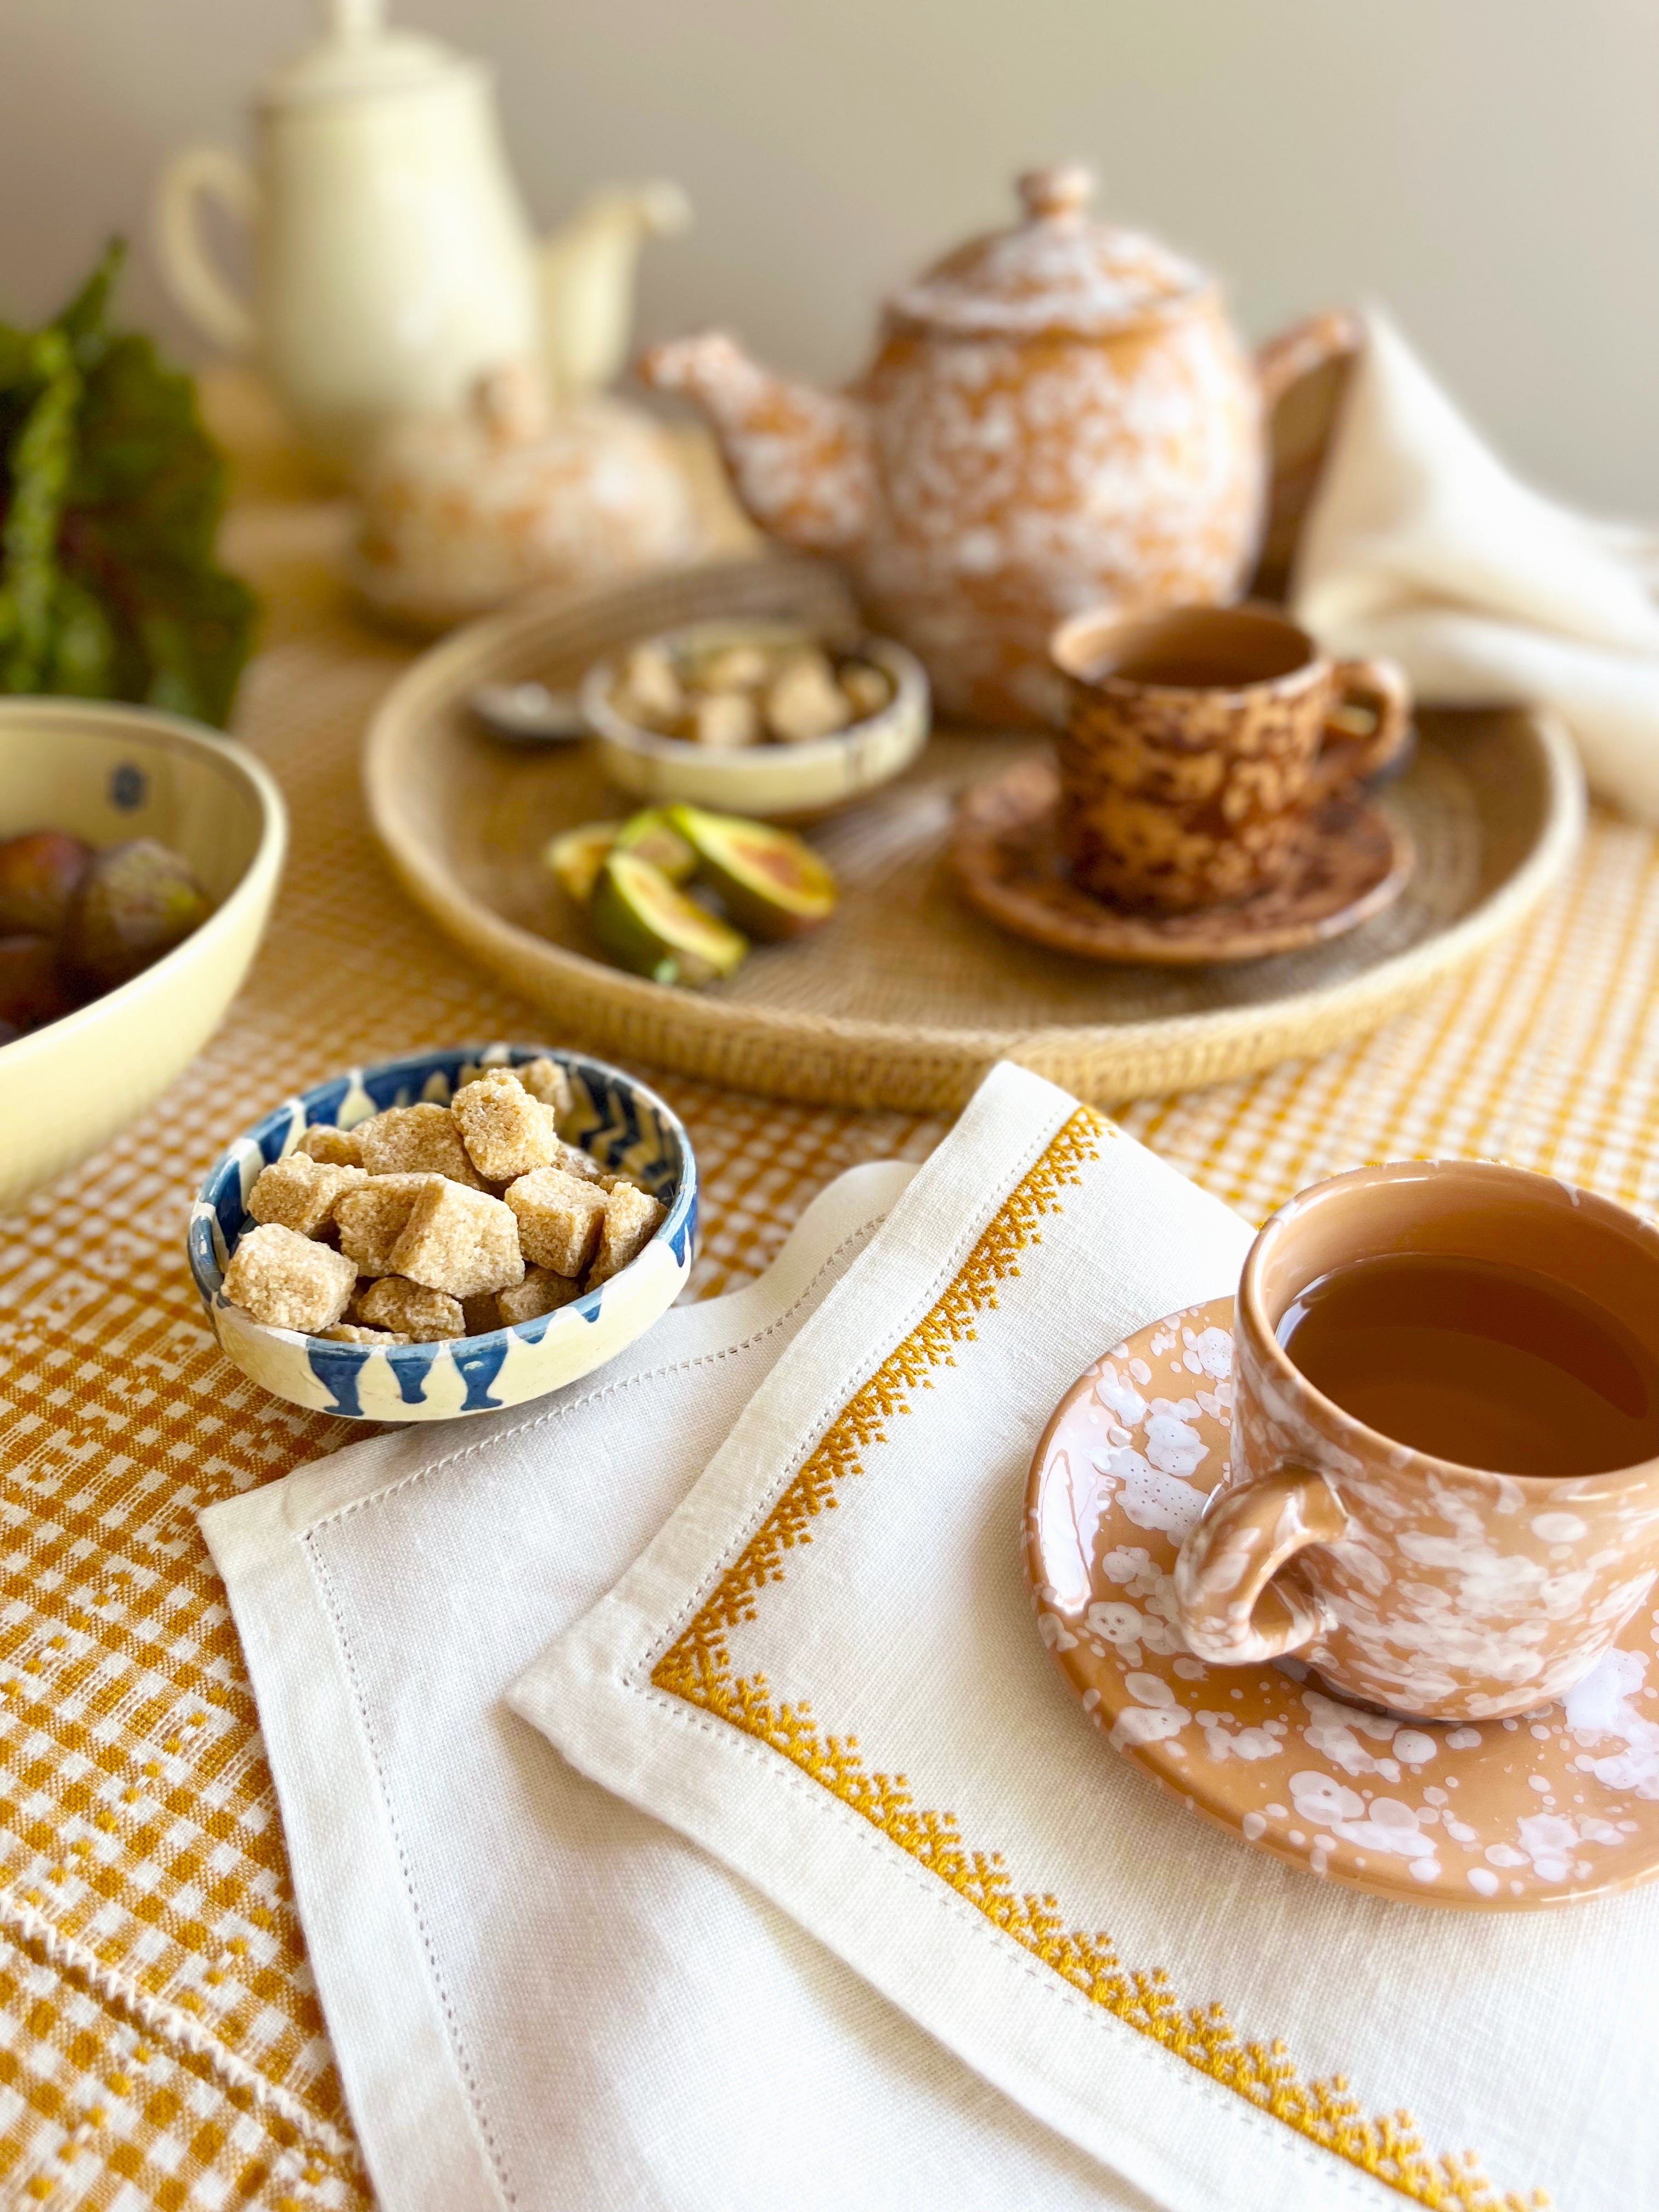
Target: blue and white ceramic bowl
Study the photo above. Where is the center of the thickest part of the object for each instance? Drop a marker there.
(623, 1125)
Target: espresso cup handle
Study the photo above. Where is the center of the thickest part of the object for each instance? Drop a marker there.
(1367, 726)
(1228, 1606)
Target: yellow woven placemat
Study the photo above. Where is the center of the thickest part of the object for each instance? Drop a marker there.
(159, 2038)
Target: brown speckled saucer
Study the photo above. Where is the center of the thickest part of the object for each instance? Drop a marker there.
(1352, 861)
(1509, 1816)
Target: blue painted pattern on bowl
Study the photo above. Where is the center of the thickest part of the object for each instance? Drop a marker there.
(620, 1121)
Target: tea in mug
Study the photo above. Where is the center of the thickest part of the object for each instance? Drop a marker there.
(1479, 1362)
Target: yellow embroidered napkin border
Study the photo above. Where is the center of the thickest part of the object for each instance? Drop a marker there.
(671, 1626)
(698, 1668)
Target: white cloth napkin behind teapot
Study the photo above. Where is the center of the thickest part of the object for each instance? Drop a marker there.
(538, 1997)
(1421, 545)
(853, 1708)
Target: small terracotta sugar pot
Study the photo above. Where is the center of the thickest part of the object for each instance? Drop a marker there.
(1059, 416)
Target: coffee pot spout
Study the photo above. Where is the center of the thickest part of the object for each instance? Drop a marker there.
(586, 273)
(801, 461)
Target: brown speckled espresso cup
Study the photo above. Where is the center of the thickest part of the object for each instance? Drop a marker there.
(1195, 742)
(1431, 1588)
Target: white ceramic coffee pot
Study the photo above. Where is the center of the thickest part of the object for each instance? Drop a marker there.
(393, 260)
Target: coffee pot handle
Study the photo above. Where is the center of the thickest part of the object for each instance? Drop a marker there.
(205, 172)
(1368, 727)
(1228, 1605)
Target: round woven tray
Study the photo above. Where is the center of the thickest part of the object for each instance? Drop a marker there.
(909, 995)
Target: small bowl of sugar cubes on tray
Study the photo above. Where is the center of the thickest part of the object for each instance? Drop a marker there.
(764, 718)
(447, 1233)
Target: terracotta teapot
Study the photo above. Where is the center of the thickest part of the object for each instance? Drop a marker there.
(1060, 417)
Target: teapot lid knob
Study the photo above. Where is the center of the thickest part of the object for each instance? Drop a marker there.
(358, 58)
(509, 405)
(1049, 194)
(354, 19)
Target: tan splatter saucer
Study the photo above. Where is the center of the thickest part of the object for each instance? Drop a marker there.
(1508, 1816)
(1351, 860)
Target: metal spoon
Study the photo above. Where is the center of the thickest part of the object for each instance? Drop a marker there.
(528, 714)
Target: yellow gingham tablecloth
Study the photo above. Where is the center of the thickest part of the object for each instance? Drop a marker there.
(160, 2043)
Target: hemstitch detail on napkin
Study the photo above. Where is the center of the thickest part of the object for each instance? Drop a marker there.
(698, 1668)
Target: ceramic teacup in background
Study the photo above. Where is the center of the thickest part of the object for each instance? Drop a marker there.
(1196, 743)
(1437, 1591)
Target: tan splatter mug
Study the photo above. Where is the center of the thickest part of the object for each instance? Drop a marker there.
(1198, 742)
(1433, 1589)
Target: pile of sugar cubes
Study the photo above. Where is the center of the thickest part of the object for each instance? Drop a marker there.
(743, 695)
(426, 1222)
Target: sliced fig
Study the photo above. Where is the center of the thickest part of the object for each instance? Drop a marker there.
(575, 856)
(770, 881)
(650, 926)
(651, 835)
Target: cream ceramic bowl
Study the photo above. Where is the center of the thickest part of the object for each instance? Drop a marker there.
(778, 783)
(109, 772)
(621, 1122)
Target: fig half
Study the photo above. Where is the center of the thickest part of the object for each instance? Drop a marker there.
(652, 836)
(575, 856)
(769, 881)
(648, 925)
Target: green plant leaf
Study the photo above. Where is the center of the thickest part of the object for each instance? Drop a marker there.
(111, 498)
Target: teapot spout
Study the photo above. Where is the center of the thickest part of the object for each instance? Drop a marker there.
(587, 282)
(801, 461)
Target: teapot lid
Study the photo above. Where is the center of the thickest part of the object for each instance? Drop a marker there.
(1058, 270)
(357, 55)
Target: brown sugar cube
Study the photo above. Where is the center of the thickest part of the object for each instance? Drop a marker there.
(559, 1217)
(867, 690)
(546, 1079)
(610, 1178)
(301, 1193)
(735, 668)
(542, 1291)
(418, 1141)
(804, 701)
(480, 1315)
(631, 1216)
(374, 1214)
(282, 1279)
(650, 689)
(726, 719)
(336, 1148)
(348, 1332)
(507, 1133)
(412, 1311)
(460, 1240)
(576, 1161)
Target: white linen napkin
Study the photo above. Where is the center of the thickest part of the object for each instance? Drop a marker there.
(853, 1708)
(1419, 544)
(538, 1998)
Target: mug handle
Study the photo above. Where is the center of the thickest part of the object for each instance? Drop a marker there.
(210, 173)
(1228, 1606)
(1366, 729)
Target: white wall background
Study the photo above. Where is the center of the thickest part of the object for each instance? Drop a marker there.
(1488, 168)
